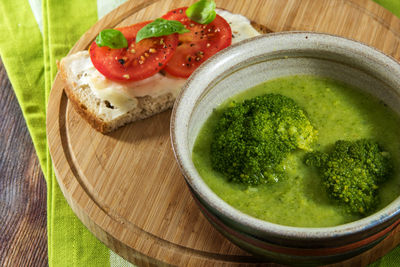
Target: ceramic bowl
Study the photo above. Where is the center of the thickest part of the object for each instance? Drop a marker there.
(250, 63)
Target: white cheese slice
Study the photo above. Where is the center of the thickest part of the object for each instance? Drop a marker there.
(86, 75)
(155, 86)
(240, 25)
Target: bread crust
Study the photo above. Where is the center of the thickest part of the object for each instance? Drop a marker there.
(260, 28)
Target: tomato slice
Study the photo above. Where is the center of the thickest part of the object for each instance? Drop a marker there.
(199, 44)
(136, 62)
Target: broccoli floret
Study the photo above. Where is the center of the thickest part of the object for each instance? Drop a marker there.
(352, 173)
(253, 137)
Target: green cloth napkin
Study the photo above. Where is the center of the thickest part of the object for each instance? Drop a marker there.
(33, 35)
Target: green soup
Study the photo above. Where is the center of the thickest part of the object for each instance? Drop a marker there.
(337, 111)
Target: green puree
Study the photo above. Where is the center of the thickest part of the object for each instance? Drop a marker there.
(337, 111)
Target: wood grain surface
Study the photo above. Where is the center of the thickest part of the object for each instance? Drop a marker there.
(23, 234)
(126, 187)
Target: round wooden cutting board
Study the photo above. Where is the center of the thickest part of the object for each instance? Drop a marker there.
(126, 187)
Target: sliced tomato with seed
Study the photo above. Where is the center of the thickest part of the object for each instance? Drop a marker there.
(139, 60)
(199, 44)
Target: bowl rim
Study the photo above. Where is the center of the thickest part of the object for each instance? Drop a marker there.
(196, 183)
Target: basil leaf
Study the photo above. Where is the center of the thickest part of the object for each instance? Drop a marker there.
(111, 38)
(160, 27)
(202, 12)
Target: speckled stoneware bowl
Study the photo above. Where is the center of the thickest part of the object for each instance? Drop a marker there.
(250, 63)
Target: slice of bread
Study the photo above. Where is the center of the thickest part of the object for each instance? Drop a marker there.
(100, 113)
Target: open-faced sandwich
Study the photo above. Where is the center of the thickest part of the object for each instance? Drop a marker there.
(134, 72)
